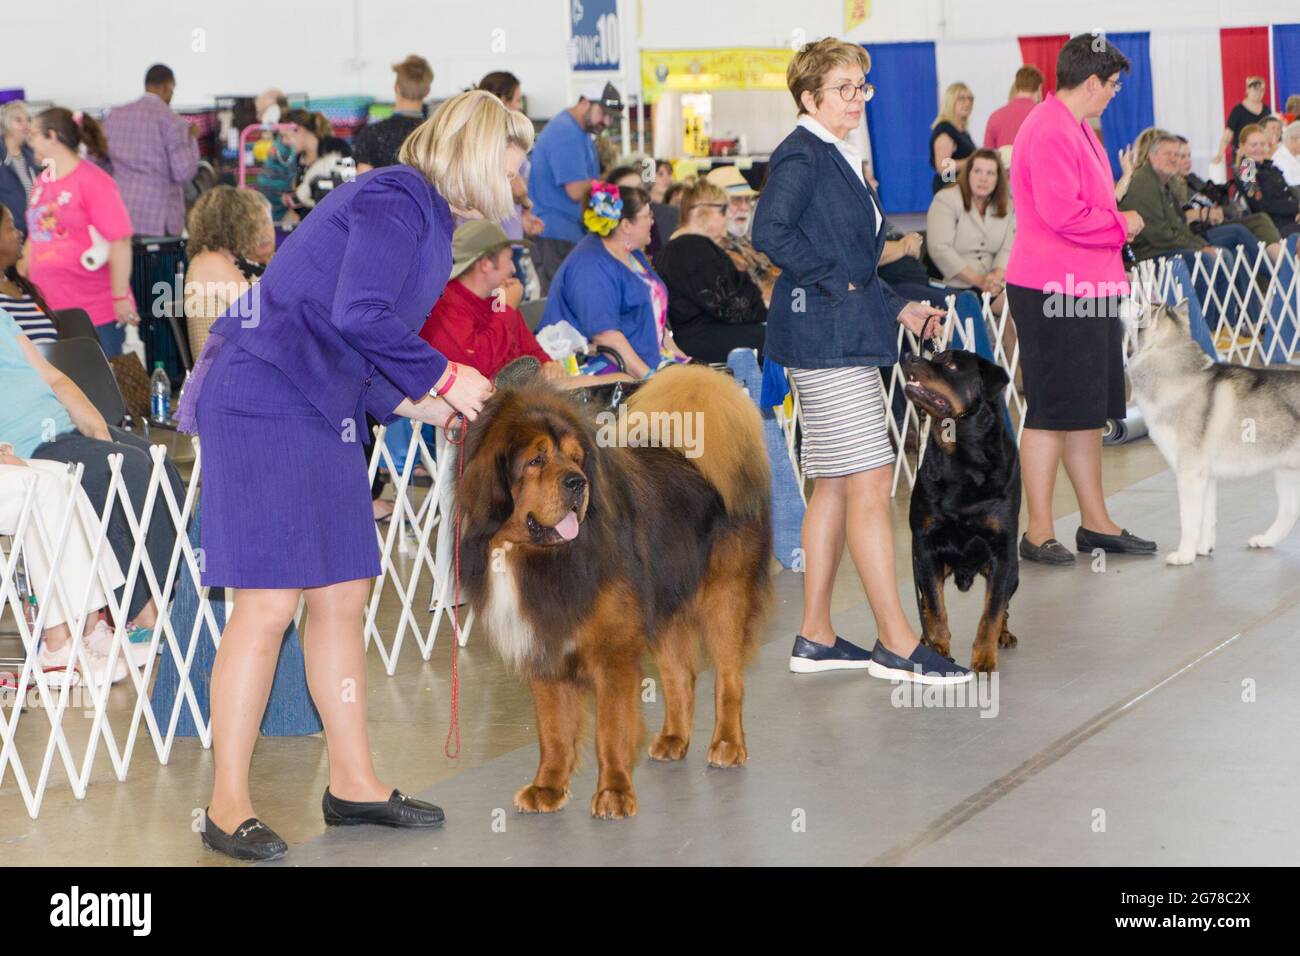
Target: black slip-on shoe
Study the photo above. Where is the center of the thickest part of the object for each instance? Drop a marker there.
(1123, 543)
(809, 657)
(924, 666)
(252, 840)
(398, 810)
(1050, 551)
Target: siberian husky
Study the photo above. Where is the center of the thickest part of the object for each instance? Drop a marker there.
(1212, 421)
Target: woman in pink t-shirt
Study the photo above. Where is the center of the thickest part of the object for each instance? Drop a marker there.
(71, 197)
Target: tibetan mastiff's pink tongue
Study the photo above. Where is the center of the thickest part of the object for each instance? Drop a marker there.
(568, 528)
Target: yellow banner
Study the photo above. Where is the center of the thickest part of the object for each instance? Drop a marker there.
(699, 70)
(856, 13)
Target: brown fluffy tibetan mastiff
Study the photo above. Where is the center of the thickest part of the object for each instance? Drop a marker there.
(585, 540)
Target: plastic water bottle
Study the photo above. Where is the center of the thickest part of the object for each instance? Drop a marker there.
(160, 395)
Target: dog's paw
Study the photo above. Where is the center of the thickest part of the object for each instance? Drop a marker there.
(1261, 541)
(1007, 639)
(613, 804)
(726, 753)
(985, 662)
(941, 645)
(1205, 550)
(666, 747)
(1177, 558)
(535, 799)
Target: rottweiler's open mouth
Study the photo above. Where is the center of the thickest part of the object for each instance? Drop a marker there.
(931, 401)
(565, 530)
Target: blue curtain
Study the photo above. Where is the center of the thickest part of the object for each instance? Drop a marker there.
(1132, 110)
(906, 79)
(1286, 61)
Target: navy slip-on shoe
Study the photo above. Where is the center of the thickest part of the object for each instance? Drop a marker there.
(809, 657)
(924, 666)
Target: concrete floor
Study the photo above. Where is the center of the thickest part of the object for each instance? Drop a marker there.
(1120, 737)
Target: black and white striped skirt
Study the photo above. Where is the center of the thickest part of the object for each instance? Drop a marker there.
(842, 413)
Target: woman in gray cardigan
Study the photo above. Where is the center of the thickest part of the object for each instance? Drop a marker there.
(970, 225)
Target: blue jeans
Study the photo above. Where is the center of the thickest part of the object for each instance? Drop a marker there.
(111, 338)
(1229, 235)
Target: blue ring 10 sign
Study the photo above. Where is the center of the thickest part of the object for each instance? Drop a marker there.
(593, 35)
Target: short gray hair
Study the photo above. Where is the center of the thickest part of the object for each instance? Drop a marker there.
(1291, 132)
(7, 113)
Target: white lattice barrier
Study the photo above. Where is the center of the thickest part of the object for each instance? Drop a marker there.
(36, 737)
(1251, 305)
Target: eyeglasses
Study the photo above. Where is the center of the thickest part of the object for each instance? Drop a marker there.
(848, 89)
(1115, 85)
(720, 206)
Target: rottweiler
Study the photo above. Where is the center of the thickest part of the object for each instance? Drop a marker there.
(965, 512)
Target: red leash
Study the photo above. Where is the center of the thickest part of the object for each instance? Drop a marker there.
(453, 728)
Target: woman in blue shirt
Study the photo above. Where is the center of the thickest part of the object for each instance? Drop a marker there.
(606, 288)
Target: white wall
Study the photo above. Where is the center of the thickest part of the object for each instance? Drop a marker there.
(94, 52)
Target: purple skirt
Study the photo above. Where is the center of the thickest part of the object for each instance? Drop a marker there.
(285, 499)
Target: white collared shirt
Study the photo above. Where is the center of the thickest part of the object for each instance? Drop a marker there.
(1288, 164)
(851, 156)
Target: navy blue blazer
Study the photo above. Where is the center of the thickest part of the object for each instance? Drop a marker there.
(12, 193)
(816, 222)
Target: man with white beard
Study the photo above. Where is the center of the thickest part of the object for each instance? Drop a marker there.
(740, 214)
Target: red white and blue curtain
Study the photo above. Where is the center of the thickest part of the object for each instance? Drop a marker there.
(1183, 80)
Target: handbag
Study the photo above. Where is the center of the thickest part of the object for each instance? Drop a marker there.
(132, 382)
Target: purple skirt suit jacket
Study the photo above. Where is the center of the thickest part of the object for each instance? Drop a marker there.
(327, 334)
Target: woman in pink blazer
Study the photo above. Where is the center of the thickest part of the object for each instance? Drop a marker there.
(1065, 281)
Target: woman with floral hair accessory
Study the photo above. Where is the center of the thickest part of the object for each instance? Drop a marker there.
(607, 289)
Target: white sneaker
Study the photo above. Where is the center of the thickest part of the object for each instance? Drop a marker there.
(100, 640)
(57, 665)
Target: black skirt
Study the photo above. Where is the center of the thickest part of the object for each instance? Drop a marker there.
(1071, 358)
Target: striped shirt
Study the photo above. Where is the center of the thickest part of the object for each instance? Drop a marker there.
(34, 323)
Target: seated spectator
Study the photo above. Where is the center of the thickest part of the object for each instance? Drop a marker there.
(18, 296)
(1287, 155)
(77, 197)
(950, 140)
(740, 218)
(1272, 127)
(1004, 122)
(606, 289)
(76, 574)
(226, 228)
(524, 224)
(477, 321)
(324, 161)
(19, 169)
(713, 306)
(631, 177)
(1263, 185)
(1206, 218)
(377, 144)
(1165, 230)
(969, 230)
(40, 401)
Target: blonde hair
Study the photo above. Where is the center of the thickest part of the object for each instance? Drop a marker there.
(226, 218)
(699, 192)
(414, 77)
(808, 67)
(461, 150)
(948, 112)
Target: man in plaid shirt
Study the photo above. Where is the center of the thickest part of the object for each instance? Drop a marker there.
(155, 154)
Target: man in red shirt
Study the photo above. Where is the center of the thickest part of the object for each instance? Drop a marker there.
(476, 320)
(1004, 123)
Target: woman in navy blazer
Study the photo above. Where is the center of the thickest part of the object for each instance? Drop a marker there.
(279, 397)
(833, 323)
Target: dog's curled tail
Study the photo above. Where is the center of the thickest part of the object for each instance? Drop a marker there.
(729, 448)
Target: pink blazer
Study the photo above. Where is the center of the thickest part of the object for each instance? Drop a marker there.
(1069, 231)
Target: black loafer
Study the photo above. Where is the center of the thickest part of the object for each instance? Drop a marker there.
(1123, 543)
(252, 840)
(399, 810)
(1050, 551)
